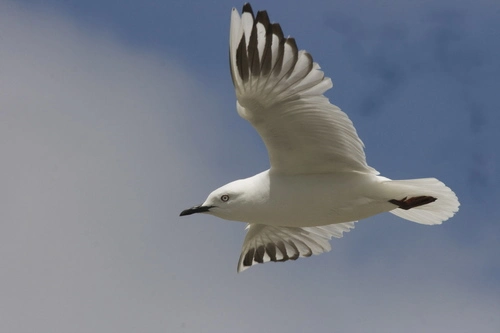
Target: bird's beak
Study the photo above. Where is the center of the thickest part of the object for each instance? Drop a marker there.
(195, 209)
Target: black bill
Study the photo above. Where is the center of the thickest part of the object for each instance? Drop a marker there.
(196, 209)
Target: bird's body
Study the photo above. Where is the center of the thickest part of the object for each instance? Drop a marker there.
(319, 183)
(328, 198)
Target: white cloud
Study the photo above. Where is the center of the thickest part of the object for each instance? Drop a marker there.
(103, 145)
(93, 138)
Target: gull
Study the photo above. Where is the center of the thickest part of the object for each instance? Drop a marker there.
(319, 183)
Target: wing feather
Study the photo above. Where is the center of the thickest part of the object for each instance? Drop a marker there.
(264, 243)
(280, 92)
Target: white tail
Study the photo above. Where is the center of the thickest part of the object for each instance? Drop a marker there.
(435, 212)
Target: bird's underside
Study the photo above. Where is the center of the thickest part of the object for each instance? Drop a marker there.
(264, 243)
(280, 91)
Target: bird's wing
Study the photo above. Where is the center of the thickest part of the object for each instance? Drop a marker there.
(265, 243)
(280, 92)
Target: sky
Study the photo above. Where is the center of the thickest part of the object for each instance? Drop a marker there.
(117, 115)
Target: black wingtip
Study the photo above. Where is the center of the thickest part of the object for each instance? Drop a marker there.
(291, 41)
(248, 260)
(276, 28)
(247, 9)
(242, 60)
(263, 18)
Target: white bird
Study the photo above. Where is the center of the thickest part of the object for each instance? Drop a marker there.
(319, 183)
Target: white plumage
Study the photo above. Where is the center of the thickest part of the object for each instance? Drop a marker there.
(280, 92)
(319, 183)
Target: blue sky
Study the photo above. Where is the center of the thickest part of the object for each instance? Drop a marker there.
(117, 115)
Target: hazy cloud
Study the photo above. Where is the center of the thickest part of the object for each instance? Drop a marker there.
(104, 144)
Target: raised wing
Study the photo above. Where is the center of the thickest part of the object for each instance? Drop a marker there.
(280, 92)
(265, 243)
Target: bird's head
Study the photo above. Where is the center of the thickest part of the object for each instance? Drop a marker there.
(229, 202)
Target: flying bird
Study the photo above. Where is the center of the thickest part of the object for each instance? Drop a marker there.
(319, 183)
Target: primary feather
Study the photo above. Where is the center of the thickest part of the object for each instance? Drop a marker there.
(280, 92)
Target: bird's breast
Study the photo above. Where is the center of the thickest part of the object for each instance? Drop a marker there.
(311, 200)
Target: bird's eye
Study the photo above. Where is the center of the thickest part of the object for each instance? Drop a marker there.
(224, 198)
